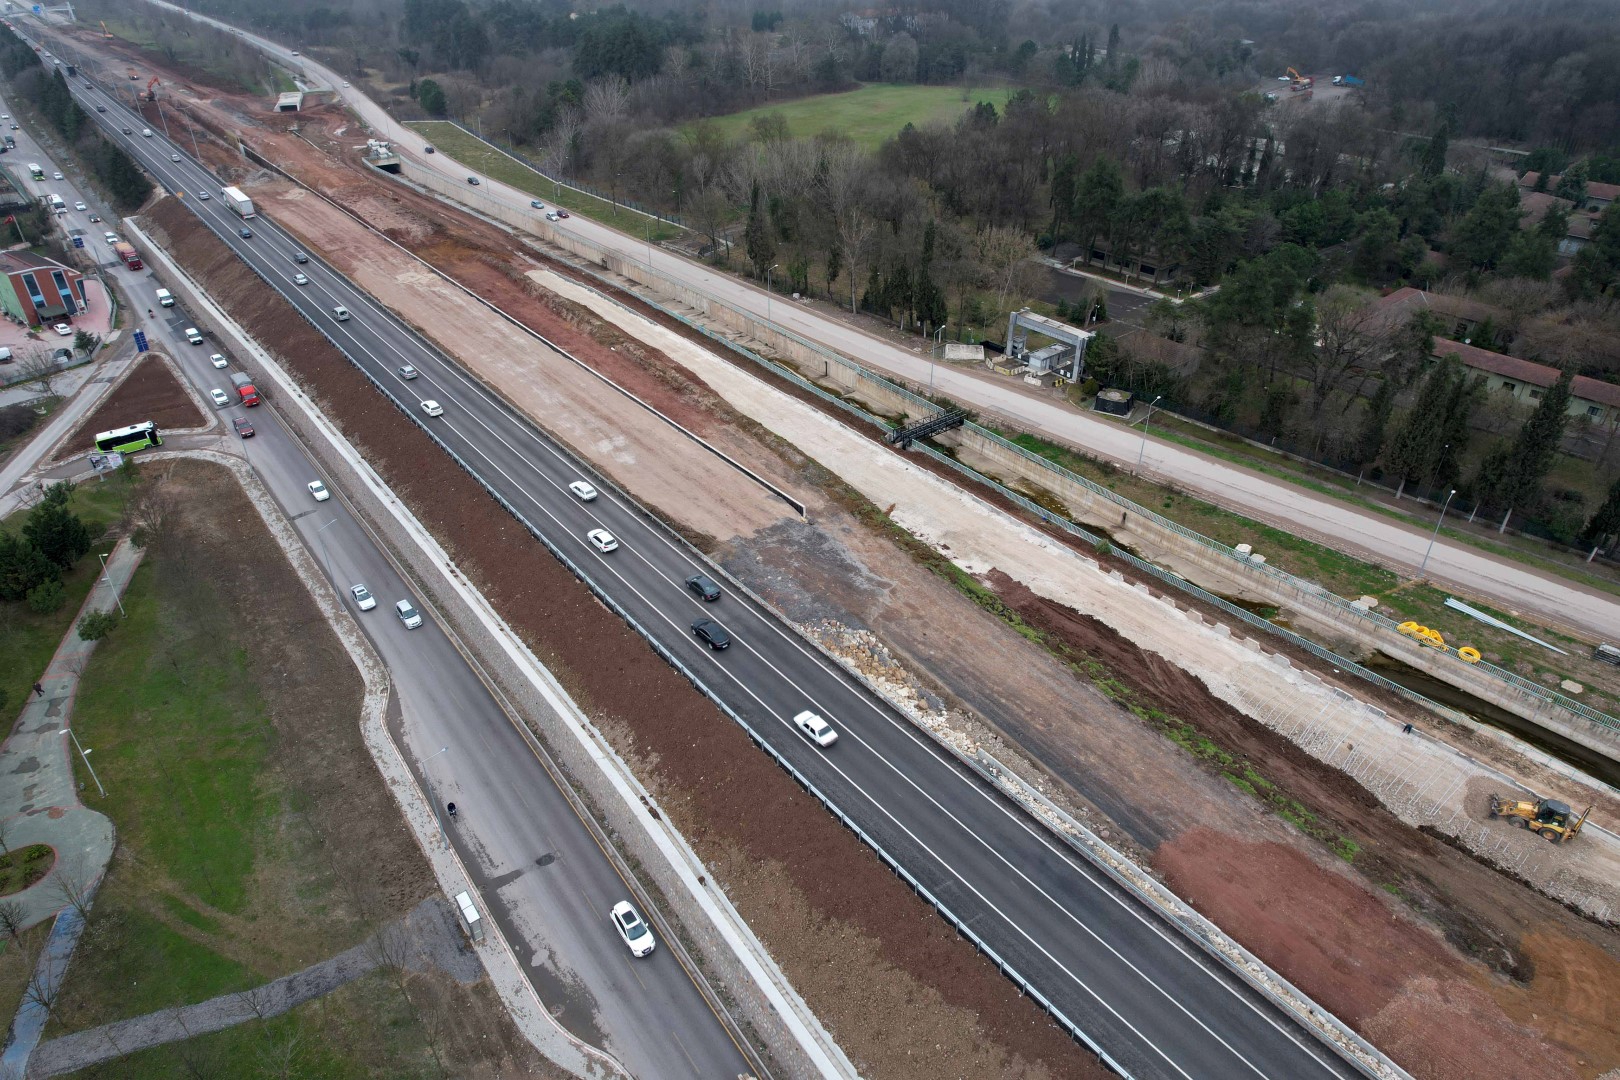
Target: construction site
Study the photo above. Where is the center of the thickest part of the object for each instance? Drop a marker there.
(1449, 892)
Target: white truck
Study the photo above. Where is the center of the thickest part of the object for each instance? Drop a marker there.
(165, 298)
(237, 201)
(56, 202)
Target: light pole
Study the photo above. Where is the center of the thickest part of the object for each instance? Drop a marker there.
(86, 755)
(433, 798)
(327, 559)
(769, 281)
(932, 364)
(116, 598)
(1146, 420)
(1424, 564)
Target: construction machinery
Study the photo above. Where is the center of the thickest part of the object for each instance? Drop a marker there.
(1549, 817)
(151, 89)
(104, 32)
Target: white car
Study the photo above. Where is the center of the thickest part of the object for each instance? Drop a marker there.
(408, 614)
(585, 492)
(318, 489)
(602, 540)
(64, 329)
(174, 157)
(551, 215)
(218, 361)
(221, 400)
(110, 237)
(636, 934)
(300, 279)
(433, 408)
(204, 196)
(820, 732)
(59, 176)
(362, 597)
(79, 205)
(345, 86)
(340, 313)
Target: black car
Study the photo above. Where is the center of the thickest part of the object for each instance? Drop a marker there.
(244, 427)
(473, 180)
(101, 108)
(245, 233)
(703, 586)
(712, 634)
(300, 257)
(427, 149)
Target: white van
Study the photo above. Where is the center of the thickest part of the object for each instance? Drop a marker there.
(146, 133)
(193, 336)
(165, 298)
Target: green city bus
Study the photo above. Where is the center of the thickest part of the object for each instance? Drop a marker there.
(127, 440)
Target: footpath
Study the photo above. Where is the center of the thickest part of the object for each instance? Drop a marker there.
(39, 804)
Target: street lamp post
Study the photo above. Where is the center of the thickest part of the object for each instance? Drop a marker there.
(769, 281)
(932, 360)
(1424, 564)
(1146, 420)
(86, 755)
(116, 598)
(327, 559)
(437, 816)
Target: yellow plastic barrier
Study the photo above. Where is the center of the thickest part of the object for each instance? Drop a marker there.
(1469, 654)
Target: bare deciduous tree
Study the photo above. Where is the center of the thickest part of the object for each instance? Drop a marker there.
(1003, 251)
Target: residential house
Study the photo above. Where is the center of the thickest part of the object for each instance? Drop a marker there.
(1461, 318)
(1144, 266)
(38, 289)
(1592, 400)
(1598, 196)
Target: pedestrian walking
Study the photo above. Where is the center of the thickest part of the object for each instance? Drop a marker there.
(38, 689)
(1407, 730)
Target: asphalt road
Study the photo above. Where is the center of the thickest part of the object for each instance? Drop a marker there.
(1155, 1005)
(539, 871)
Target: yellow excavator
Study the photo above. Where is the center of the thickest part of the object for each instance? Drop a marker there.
(1549, 817)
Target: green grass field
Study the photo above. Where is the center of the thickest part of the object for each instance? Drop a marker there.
(485, 160)
(869, 115)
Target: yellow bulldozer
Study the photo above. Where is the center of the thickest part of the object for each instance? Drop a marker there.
(1549, 817)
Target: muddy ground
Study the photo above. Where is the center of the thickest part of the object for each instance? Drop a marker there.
(149, 391)
(1164, 799)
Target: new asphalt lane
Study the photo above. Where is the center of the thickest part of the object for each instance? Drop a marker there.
(1149, 1000)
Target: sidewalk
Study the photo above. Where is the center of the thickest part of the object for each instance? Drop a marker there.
(39, 800)
(40, 805)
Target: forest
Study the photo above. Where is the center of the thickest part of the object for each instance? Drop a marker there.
(1478, 159)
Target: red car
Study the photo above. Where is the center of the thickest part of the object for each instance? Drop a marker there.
(244, 427)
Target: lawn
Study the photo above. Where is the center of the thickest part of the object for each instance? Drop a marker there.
(875, 112)
(486, 160)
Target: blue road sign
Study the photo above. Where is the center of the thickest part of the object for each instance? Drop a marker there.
(78, 241)
(140, 340)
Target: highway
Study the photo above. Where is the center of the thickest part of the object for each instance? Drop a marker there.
(1154, 1004)
(538, 869)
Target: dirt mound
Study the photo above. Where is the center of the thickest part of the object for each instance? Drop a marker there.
(149, 392)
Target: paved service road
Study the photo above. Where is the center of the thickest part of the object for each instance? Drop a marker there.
(539, 871)
(1153, 1002)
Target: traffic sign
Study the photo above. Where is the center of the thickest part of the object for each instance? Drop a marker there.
(140, 341)
(78, 241)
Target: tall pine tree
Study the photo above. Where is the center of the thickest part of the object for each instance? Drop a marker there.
(1513, 482)
(757, 237)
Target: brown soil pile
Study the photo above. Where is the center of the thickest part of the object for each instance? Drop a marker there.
(1336, 938)
(149, 392)
(714, 784)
